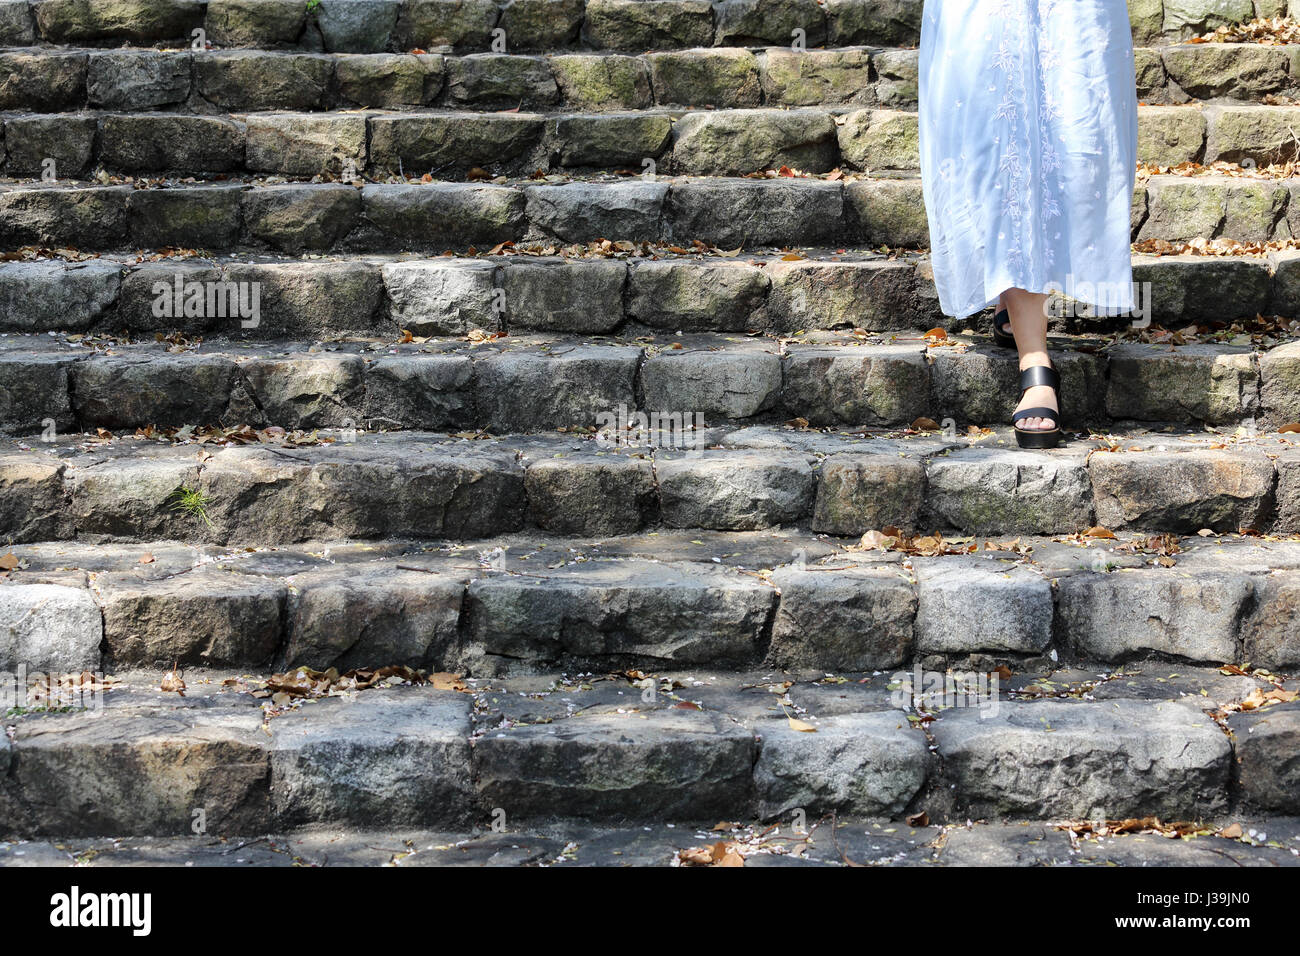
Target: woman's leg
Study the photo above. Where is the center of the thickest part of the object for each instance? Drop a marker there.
(1029, 325)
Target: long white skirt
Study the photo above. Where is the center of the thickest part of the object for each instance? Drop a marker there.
(1028, 112)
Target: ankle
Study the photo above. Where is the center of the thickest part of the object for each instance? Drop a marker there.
(1032, 358)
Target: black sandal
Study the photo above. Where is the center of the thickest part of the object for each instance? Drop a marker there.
(1039, 437)
(1001, 337)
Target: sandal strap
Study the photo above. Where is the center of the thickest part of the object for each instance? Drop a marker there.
(1039, 412)
(1039, 375)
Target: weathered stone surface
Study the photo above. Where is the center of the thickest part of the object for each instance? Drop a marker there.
(613, 140)
(303, 299)
(850, 386)
(91, 217)
(859, 493)
(602, 82)
(582, 212)
(388, 80)
(729, 143)
(152, 389)
(888, 212)
(720, 78)
(591, 495)
(137, 79)
(42, 82)
(197, 217)
(431, 392)
(354, 26)
(1184, 18)
(1219, 489)
(44, 296)
(1122, 615)
(695, 296)
(137, 21)
(1239, 133)
(17, 28)
(639, 25)
(571, 296)
(981, 606)
(241, 80)
(305, 390)
(863, 764)
(1245, 71)
(672, 765)
(207, 617)
(734, 491)
(899, 80)
(750, 22)
(816, 77)
(443, 297)
(1110, 760)
(565, 388)
(419, 144)
(148, 301)
(1279, 372)
(443, 216)
(889, 23)
(541, 24)
(168, 143)
(361, 489)
(1168, 135)
(604, 612)
(1269, 769)
(32, 499)
(1197, 383)
(717, 385)
(989, 490)
(856, 619)
(370, 614)
(255, 23)
(1194, 288)
(293, 218)
(34, 391)
(48, 628)
(61, 145)
(747, 212)
(879, 140)
(429, 24)
(306, 145)
(400, 756)
(875, 294)
(1271, 630)
(500, 81)
(145, 774)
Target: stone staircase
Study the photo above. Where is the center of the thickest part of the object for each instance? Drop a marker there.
(567, 351)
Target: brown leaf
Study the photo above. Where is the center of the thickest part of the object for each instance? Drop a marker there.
(8, 562)
(921, 819)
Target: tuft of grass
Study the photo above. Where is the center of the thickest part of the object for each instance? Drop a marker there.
(192, 502)
(312, 5)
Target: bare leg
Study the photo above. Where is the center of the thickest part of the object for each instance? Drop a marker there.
(1029, 325)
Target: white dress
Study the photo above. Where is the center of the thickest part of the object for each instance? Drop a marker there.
(1028, 113)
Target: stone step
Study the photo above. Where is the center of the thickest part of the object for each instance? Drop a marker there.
(599, 291)
(676, 746)
(467, 486)
(442, 144)
(526, 383)
(369, 26)
(1264, 841)
(536, 601)
(56, 80)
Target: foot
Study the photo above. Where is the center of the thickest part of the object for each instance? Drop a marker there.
(1039, 396)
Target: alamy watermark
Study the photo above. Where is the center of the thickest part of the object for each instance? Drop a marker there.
(213, 299)
(656, 429)
(938, 690)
